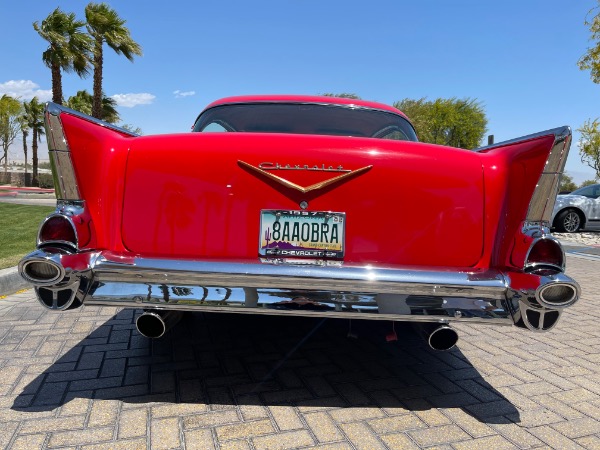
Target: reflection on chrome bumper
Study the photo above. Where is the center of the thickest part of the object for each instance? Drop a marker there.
(487, 296)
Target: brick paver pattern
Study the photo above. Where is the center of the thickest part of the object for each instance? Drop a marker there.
(86, 379)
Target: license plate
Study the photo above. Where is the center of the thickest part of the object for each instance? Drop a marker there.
(294, 234)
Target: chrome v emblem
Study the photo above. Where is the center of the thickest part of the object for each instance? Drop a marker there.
(303, 189)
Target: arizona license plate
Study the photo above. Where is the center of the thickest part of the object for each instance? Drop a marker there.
(311, 234)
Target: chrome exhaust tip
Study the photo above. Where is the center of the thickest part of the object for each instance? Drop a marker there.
(557, 295)
(154, 324)
(41, 271)
(438, 336)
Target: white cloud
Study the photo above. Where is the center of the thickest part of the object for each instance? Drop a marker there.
(180, 94)
(131, 100)
(25, 90)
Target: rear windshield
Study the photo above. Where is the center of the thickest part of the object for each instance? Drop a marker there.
(296, 118)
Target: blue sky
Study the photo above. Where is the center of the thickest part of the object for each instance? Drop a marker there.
(517, 57)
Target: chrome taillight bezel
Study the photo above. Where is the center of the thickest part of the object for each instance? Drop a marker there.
(73, 245)
(545, 268)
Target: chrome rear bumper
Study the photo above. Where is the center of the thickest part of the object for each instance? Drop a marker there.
(485, 296)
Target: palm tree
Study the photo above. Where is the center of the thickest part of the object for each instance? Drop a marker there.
(105, 25)
(68, 50)
(83, 100)
(23, 123)
(34, 111)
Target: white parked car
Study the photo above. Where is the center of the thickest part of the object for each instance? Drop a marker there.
(577, 210)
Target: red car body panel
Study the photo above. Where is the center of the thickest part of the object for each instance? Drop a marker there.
(202, 203)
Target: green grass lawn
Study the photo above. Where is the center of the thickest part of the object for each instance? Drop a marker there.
(18, 231)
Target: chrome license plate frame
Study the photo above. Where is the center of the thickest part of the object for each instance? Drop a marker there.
(302, 234)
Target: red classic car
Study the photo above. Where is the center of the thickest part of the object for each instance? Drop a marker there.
(313, 206)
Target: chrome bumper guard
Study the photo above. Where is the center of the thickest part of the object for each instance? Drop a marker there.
(348, 291)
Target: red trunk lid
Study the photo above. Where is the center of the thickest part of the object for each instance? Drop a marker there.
(200, 196)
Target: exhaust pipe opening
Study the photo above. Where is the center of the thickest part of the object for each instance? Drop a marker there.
(154, 324)
(42, 272)
(438, 336)
(557, 295)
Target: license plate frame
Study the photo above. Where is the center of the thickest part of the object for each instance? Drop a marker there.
(302, 234)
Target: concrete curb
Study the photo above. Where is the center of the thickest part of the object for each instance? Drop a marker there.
(11, 281)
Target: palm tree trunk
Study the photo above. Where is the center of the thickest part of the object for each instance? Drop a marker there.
(5, 156)
(25, 153)
(98, 61)
(34, 159)
(56, 85)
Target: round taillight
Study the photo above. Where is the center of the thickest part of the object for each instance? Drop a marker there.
(57, 229)
(545, 254)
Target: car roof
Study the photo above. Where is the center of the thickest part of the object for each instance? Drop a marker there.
(319, 99)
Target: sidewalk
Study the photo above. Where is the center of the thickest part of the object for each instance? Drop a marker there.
(11, 281)
(87, 379)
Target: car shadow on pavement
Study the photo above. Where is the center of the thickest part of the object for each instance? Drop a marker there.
(220, 361)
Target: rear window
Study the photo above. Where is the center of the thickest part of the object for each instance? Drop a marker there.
(332, 120)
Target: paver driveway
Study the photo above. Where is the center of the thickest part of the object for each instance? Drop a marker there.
(87, 379)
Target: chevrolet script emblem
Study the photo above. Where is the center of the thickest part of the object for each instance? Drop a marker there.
(303, 189)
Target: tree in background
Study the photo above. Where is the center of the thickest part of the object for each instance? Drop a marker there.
(589, 144)
(588, 183)
(34, 112)
(68, 48)
(24, 125)
(591, 59)
(82, 101)
(132, 128)
(446, 121)
(343, 95)
(566, 184)
(105, 26)
(10, 125)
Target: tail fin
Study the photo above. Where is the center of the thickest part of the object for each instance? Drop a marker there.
(546, 190)
(88, 158)
(527, 192)
(59, 151)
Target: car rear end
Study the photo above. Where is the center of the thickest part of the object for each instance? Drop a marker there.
(293, 222)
